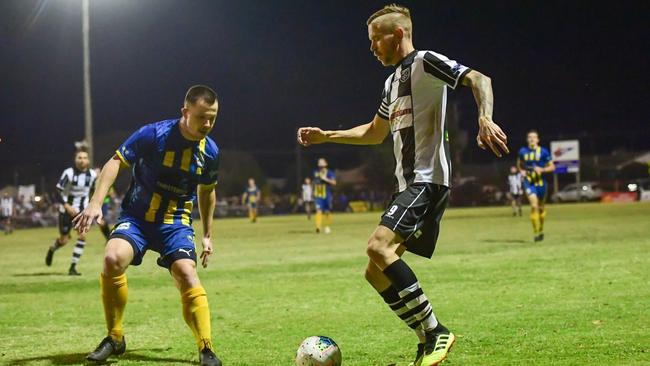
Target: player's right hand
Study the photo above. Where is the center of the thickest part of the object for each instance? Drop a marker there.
(85, 219)
(310, 135)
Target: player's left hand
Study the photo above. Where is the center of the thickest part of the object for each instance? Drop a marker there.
(538, 169)
(491, 135)
(207, 251)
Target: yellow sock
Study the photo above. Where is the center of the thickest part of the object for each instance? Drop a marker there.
(534, 218)
(319, 220)
(542, 216)
(197, 315)
(114, 295)
(328, 218)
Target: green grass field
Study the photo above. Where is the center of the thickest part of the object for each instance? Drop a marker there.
(579, 298)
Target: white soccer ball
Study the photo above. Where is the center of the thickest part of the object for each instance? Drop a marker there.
(318, 351)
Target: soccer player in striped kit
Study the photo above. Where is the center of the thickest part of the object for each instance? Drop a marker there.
(413, 106)
(73, 191)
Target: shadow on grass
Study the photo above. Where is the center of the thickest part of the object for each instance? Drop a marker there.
(300, 231)
(80, 358)
(39, 274)
(504, 241)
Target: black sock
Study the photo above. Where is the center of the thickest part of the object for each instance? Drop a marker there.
(400, 275)
(406, 284)
(56, 245)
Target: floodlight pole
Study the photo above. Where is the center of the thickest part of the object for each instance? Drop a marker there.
(88, 112)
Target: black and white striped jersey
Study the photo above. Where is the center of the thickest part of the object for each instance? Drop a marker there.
(414, 101)
(75, 188)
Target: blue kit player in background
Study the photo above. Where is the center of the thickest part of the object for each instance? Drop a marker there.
(324, 180)
(251, 198)
(173, 163)
(533, 161)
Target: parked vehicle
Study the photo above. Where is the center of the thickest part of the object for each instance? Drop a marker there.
(578, 192)
(641, 187)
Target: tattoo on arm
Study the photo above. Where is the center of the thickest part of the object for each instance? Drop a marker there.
(482, 90)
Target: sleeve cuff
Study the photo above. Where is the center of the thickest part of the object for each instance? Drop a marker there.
(119, 155)
(461, 77)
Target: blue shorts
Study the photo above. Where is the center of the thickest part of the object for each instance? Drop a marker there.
(323, 204)
(539, 191)
(171, 241)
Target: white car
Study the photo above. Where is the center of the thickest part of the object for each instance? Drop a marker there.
(578, 192)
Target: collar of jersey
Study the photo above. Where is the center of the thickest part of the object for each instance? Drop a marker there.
(408, 59)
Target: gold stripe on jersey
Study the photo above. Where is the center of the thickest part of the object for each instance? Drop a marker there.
(168, 160)
(154, 205)
(199, 171)
(185, 160)
(169, 214)
(187, 213)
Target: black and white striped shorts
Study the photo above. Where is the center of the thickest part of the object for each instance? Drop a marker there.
(415, 215)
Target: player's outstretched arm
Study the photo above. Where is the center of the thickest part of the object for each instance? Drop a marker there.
(489, 133)
(93, 212)
(207, 198)
(371, 133)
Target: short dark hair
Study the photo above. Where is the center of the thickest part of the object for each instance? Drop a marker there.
(533, 131)
(197, 92)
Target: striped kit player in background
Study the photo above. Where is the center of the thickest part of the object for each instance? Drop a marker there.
(412, 109)
(74, 188)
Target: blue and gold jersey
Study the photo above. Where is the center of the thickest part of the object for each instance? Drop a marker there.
(530, 158)
(166, 170)
(251, 194)
(322, 189)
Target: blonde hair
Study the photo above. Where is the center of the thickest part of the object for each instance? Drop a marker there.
(395, 16)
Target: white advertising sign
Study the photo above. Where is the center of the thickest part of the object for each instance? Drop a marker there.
(566, 156)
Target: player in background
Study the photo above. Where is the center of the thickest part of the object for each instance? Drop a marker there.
(251, 198)
(73, 192)
(7, 212)
(324, 180)
(533, 161)
(515, 190)
(413, 108)
(308, 196)
(173, 163)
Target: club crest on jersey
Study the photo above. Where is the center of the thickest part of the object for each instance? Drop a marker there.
(405, 75)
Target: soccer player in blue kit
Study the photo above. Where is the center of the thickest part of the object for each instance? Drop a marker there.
(173, 163)
(533, 161)
(324, 180)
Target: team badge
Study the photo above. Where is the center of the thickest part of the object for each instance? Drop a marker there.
(406, 73)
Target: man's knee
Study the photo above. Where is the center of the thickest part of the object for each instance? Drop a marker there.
(378, 246)
(63, 239)
(117, 257)
(184, 272)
